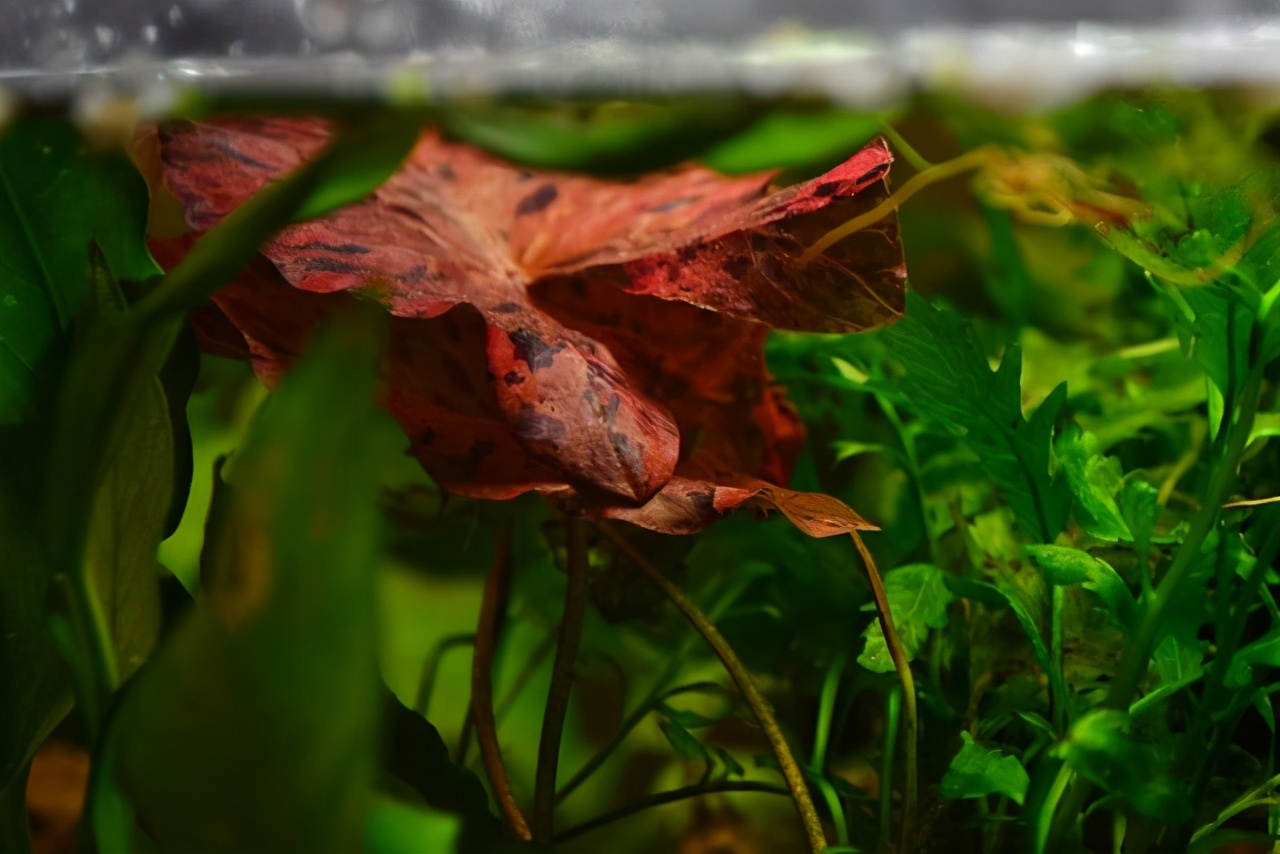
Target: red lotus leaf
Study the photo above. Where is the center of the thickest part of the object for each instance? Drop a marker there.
(594, 340)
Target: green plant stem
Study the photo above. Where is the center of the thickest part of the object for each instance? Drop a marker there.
(497, 590)
(431, 669)
(633, 720)
(966, 162)
(1055, 646)
(724, 786)
(892, 714)
(1133, 664)
(821, 738)
(826, 709)
(575, 609)
(908, 443)
(759, 706)
(656, 694)
(911, 728)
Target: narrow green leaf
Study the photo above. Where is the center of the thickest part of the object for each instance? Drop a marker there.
(918, 597)
(977, 771)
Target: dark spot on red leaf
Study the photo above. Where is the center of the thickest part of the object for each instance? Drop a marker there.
(538, 200)
(611, 409)
(339, 248)
(629, 454)
(476, 454)
(705, 502)
(446, 172)
(830, 188)
(688, 253)
(321, 264)
(535, 352)
(534, 426)
(513, 378)
(426, 437)
(737, 267)
(507, 308)
(872, 174)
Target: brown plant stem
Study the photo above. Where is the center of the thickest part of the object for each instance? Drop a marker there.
(575, 608)
(911, 722)
(746, 685)
(668, 798)
(493, 605)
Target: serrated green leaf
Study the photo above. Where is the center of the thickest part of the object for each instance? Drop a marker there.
(947, 380)
(55, 199)
(977, 771)
(1095, 480)
(918, 598)
(1065, 566)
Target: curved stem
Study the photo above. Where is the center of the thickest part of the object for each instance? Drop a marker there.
(492, 606)
(911, 721)
(759, 706)
(633, 720)
(431, 669)
(575, 609)
(947, 169)
(669, 798)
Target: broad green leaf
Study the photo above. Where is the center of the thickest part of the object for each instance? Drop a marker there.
(33, 678)
(1095, 481)
(254, 728)
(398, 828)
(55, 199)
(977, 771)
(1065, 566)
(1101, 749)
(613, 137)
(794, 139)
(417, 756)
(947, 380)
(918, 599)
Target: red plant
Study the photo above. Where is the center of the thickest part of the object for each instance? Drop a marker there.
(597, 341)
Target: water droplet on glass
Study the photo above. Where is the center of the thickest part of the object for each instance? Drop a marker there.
(175, 16)
(150, 33)
(326, 21)
(236, 48)
(385, 28)
(105, 35)
(69, 6)
(60, 48)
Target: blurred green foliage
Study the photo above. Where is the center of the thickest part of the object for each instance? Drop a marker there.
(1046, 440)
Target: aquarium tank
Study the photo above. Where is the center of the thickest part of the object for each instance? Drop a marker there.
(496, 426)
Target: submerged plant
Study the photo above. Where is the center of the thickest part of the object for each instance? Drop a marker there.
(1066, 475)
